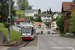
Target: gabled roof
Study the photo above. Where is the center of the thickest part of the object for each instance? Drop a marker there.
(45, 15)
(38, 24)
(33, 10)
(59, 13)
(21, 19)
(67, 6)
(72, 9)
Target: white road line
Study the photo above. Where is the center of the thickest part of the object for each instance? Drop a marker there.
(72, 48)
(60, 43)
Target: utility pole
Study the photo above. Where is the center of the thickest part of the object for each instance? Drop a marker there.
(9, 21)
(24, 17)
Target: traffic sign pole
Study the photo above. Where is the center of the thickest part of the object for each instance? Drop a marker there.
(9, 24)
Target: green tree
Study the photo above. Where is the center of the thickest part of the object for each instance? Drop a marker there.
(47, 11)
(72, 26)
(23, 4)
(38, 19)
(47, 23)
(44, 12)
(55, 19)
(29, 7)
(60, 23)
(4, 7)
(50, 11)
(39, 11)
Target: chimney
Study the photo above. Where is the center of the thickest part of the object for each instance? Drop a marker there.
(73, 0)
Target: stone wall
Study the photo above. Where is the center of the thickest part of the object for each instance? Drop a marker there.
(3, 39)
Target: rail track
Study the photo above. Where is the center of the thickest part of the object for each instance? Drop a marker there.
(17, 45)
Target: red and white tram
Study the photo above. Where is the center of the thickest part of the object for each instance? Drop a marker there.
(28, 32)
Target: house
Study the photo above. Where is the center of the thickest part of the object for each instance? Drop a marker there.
(19, 22)
(16, 18)
(68, 9)
(30, 13)
(39, 26)
(16, 7)
(45, 17)
(56, 14)
(54, 25)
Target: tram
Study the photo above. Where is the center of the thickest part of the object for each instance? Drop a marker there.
(27, 32)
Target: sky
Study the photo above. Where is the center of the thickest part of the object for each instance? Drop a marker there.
(55, 5)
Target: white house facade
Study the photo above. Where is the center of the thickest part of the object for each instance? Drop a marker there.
(39, 26)
(53, 25)
(19, 22)
(30, 13)
(56, 14)
(45, 17)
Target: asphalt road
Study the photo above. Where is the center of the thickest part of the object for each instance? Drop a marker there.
(55, 42)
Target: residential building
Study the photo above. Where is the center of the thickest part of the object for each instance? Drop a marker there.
(30, 13)
(56, 14)
(16, 7)
(54, 25)
(68, 9)
(19, 22)
(16, 18)
(73, 0)
(39, 26)
(45, 17)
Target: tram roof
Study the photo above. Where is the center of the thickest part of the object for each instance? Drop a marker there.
(27, 25)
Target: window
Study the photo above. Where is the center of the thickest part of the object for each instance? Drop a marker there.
(53, 26)
(52, 23)
(74, 12)
(26, 30)
(48, 17)
(18, 23)
(44, 20)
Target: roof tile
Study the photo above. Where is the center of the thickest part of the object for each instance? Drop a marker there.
(38, 24)
(21, 19)
(67, 6)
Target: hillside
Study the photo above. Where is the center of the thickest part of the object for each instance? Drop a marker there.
(14, 35)
(19, 11)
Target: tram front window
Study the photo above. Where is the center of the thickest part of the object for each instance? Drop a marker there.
(26, 30)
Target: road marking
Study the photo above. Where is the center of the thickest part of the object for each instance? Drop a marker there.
(60, 43)
(62, 48)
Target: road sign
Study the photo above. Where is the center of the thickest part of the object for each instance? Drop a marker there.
(0, 15)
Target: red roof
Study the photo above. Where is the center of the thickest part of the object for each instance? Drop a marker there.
(38, 24)
(21, 19)
(67, 6)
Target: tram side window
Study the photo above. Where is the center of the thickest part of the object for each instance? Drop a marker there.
(32, 31)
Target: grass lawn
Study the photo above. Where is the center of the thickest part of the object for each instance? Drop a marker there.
(19, 11)
(14, 35)
(2, 25)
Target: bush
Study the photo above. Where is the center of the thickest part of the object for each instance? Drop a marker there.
(6, 25)
(47, 23)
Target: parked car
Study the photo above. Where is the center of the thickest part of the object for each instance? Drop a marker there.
(54, 32)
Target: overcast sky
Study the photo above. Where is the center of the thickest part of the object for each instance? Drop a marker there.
(46, 4)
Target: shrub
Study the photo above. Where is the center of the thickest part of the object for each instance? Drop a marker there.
(6, 25)
(47, 23)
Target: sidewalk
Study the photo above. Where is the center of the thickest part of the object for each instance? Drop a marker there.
(29, 48)
(4, 48)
